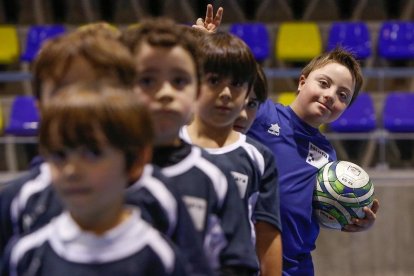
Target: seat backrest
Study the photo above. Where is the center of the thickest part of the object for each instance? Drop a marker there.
(256, 36)
(9, 45)
(298, 41)
(397, 113)
(24, 117)
(286, 98)
(396, 40)
(36, 36)
(352, 36)
(359, 117)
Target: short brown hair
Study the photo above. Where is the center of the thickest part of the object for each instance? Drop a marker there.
(227, 55)
(340, 56)
(79, 113)
(163, 32)
(111, 60)
(260, 86)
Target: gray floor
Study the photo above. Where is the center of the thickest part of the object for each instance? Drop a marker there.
(387, 249)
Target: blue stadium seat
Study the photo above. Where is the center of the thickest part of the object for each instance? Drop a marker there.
(36, 36)
(353, 36)
(24, 117)
(396, 40)
(397, 113)
(359, 117)
(256, 37)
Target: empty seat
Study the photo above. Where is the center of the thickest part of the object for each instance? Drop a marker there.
(24, 117)
(256, 37)
(352, 36)
(396, 40)
(36, 36)
(359, 117)
(397, 113)
(298, 41)
(286, 98)
(9, 45)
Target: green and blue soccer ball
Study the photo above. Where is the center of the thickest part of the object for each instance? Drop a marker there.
(342, 190)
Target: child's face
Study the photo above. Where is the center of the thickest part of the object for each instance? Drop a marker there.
(79, 70)
(221, 100)
(324, 95)
(167, 78)
(89, 182)
(248, 114)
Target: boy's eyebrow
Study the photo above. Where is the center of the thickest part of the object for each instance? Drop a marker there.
(157, 70)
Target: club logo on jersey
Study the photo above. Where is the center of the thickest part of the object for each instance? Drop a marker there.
(241, 181)
(274, 129)
(197, 209)
(317, 157)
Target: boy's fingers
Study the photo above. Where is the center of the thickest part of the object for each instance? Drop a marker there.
(200, 22)
(219, 16)
(209, 14)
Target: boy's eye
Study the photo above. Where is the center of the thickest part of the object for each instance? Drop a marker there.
(146, 81)
(91, 154)
(253, 104)
(238, 83)
(344, 96)
(213, 80)
(57, 156)
(323, 83)
(181, 81)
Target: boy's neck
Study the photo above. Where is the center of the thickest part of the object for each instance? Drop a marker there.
(206, 136)
(297, 110)
(101, 223)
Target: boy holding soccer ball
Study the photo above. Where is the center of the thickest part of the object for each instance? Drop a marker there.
(327, 86)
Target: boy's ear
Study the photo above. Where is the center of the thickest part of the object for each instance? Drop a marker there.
(144, 157)
(302, 81)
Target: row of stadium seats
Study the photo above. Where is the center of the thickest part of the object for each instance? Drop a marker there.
(184, 11)
(359, 121)
(295, 41)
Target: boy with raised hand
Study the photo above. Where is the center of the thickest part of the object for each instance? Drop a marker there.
(169, 75)
(93, 140)
(230, 71)
(327, 86)
(92, 55)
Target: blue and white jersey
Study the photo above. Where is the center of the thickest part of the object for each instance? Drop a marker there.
(300, 151)
(253, 168)
(30, 202)
(213, 203)
(62, 248)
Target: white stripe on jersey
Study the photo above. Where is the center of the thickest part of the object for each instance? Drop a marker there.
(74, 245)
(255, 155)
(195, 159)
(42, 181)
(27, 243)
(161, 193)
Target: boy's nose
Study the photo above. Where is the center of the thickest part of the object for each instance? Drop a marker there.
(165, 94)
(71, 170)
(225, 94)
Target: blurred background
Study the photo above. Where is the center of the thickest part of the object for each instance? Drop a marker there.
(377, 132)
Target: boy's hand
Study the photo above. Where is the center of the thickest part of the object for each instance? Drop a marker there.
(365, 223)
(210, 24)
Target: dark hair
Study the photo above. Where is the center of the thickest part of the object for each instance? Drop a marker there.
(110, 59)
(162, 32)
(86, 115)
(227, 55)
(260, 86)
(340, 56)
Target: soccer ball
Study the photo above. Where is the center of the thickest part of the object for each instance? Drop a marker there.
(342, 190)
